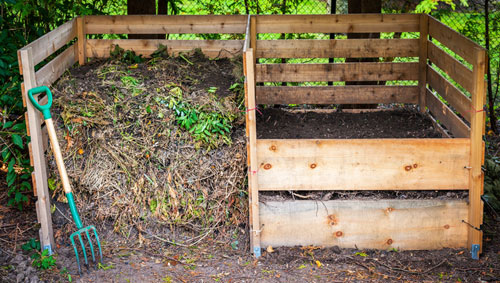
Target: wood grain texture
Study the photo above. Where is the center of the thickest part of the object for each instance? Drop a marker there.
(82, 39)
(449, 92)
(363, 164)
(46, 45)
(251, 132)
(49, 73)
(366, 224)
(452, 39)
(477, 149)
(422, 60)
(100, 48)
(338, 48)
(359, 23)
(451, 66)
(446, 116)
(336, 94)
(39, 174)
(163, 24)
(336, 72)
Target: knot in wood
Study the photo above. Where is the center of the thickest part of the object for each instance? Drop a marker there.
(446, 226)
(332, 220)
(339, 233)
(267, 166)
(272, 148)
(389, 242)
(408, 167)
(415, 165)
(313, 165)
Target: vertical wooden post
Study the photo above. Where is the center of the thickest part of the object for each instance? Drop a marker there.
(253, 190)
(475, 236)
(82, 40)
(39, 175)
(253, 35)
(422, 59)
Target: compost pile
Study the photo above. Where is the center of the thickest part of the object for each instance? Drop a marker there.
(155, 147)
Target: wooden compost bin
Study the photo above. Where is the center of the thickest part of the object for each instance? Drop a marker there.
(367, 164)
(79, 50)
(378, 164)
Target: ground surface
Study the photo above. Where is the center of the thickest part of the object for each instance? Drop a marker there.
(276, 123)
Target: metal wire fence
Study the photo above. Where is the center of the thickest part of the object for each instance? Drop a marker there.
(479, 21)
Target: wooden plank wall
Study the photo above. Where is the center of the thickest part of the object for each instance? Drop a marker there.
(366, 224)
(364, 164)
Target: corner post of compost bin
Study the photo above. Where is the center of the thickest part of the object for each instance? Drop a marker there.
(253, 35)
(422, 59)
(253, 189)
(39, 175)
(82, 39)
(475, 235)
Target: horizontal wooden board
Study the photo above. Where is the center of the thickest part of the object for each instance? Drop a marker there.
(337, 48)
(358, 23)
(336, 94)
(365, 224)
(363, 164)
(449, 92)
(451, 66)
(212, 48)
(452, 39)
(158, 24)
(46, 45)
(336, 72)
(55, 68)
(446, 116)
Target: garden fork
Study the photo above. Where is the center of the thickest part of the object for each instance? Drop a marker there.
(45, 109)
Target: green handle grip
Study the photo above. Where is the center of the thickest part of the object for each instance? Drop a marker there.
(45, 109)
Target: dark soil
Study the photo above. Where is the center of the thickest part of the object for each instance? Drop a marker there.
(278, 123)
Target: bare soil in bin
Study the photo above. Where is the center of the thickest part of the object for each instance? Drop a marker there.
(143, 253)
(398, 122)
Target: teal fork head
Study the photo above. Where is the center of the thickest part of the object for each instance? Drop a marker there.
(88, 231)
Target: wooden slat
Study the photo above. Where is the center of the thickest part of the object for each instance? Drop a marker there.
(163, 24)
(100, 48)
(338, 48)
(336, 94)
(451, 66)
(363, 164)
(452, 39)
(55, 68)
(477, 150)
(366, 224)
(39, 162)
(449, 92)
(446, 116)
(52, 41)
(251, 132)
(422, 60)
(359, 23)
(336, 72)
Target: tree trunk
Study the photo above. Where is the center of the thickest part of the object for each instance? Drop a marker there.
(356, 7)
(143, 7)
(491, 97)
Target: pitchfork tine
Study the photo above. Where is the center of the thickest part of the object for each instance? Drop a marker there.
(90, 243)
(76, 253)
(97, 239)
(83, 248)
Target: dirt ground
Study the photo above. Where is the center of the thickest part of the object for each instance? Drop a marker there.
(215, 261)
